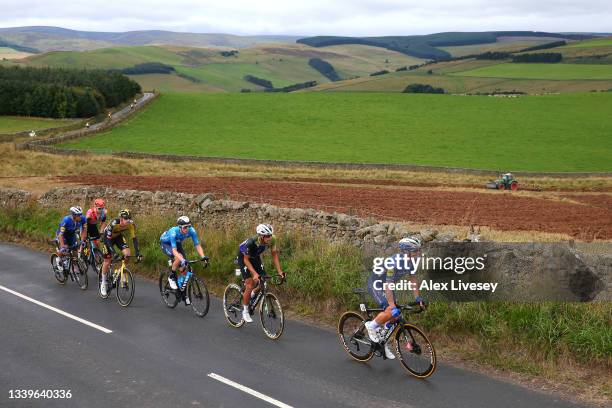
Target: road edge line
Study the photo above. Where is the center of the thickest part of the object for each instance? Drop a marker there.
(248, 390)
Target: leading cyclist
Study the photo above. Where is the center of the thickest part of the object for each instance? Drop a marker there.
(385, 297)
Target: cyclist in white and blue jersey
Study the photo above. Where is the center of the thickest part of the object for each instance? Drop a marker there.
(385, 297)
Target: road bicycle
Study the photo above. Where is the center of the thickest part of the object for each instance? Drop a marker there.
(92, 256)
(70, 266)
(190, 287)
(270, 310)
(119, 278)
(416, 353)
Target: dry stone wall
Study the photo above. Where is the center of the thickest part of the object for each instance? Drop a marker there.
(578, 275)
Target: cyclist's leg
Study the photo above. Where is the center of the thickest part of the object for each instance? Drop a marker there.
(249, 283)
(107, 253)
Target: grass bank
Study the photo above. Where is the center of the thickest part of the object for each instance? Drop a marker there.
(530, 133)
(566, 344)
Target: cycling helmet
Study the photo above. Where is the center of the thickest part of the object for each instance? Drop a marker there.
(76, 210)
(411, 244)
(265, 229)
(125, 213)
(183, 221)
(98, 202)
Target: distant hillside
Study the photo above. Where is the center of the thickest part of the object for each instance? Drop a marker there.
(62, 39)
(426, 46)
(198, 68)
(17, 47)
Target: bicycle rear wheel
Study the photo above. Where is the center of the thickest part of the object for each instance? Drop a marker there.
(416, 352)
(232, 305)
(125, 288)
(58, 273)
(169, 296)
(80, 273)
(271, 315)
(198, 294)
(354, 336)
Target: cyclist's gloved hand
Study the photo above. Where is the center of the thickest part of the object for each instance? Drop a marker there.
(422, 301)
(183, 263)
(138, 258)
(205, 259)
(395, 312)
(64, 250)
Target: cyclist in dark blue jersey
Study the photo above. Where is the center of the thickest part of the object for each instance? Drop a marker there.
(66, 235)
(171, 245)
(379, 288)
(251, 265)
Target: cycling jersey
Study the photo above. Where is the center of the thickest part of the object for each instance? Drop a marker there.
(174, 236)
(253, 247)
(95, 217)
(114, 229)
(68, 226)
(391, 275)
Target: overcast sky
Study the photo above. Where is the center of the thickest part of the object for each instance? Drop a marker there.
(312, 17)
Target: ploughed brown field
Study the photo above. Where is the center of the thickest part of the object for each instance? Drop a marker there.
(582, 215)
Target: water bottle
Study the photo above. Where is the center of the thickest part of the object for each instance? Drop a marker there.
(187, 276)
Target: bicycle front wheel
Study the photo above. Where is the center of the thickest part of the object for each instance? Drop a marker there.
(80, 273)
(125, 288)
(169, 296)
(232, 305)
(58, 272)
(271, 315)
(198, 294)
(416, 352)
(354, 336)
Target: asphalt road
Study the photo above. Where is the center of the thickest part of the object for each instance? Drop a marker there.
(161, 357)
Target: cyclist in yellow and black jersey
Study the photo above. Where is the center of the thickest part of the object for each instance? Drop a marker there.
(114, 235)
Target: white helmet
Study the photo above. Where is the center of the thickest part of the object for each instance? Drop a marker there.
(411, 244)
(183, 220)
(76, 210)
(265, 229)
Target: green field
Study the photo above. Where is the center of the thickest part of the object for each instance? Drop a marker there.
(539, 133)
(598, 42)
(14, 124)
(543, 71)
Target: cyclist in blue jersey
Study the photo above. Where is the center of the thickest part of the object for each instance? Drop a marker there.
(410, 248)
(171, 245)
(67, 232)
(251, 265)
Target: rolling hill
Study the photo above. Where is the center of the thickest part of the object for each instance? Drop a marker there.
(56, 38)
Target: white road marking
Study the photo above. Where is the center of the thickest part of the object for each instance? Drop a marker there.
(249, 391)
(56, 310)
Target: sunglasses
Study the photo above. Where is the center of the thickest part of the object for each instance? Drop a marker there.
(266, 236)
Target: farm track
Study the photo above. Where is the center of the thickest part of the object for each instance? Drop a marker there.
(584, 217)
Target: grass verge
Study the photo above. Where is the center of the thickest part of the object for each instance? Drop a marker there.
(567, 346)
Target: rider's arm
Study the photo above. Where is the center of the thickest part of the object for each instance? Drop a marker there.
(276, 262)
(389, 292)
(135, 243)
(200, 250)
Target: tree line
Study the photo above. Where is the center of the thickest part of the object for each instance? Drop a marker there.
(325, 68)
(61, 92)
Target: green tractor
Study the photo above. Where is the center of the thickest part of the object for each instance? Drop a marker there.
(506, 182)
